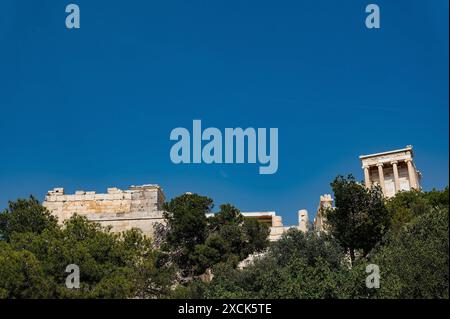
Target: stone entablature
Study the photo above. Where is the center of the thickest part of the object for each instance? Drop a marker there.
(393, 171)
(137, 207)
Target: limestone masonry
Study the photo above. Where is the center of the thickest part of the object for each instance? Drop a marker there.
(141, 206)
(137, 207)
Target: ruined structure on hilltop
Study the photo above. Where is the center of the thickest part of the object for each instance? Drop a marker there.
(141, 206)
(393, 171)
(138, 207)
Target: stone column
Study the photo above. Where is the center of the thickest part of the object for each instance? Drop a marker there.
(396, 179)
(381, 175)
(411, 174)
(367, 176)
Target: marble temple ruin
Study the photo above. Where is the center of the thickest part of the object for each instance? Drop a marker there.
(142, 206)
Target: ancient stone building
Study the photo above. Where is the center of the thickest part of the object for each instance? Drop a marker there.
(141, 206)
(137, 207)
(393, 170)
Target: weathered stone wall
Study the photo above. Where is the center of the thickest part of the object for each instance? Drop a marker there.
(138, 207)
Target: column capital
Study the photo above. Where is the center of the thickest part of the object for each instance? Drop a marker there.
(380, 164)
(394, 162)
(408, 160)
(365, 166)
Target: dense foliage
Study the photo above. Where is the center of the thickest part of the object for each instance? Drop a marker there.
(34, 258)
(360, 218)
(197, 254)
(196, 242)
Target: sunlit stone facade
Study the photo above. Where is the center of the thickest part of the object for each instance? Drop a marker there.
(141, 206)
(138, 207)
(393, 171)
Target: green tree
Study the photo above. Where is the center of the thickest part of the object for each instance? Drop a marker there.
(308, 246)
(223, 237)
(21, 275)
(256, 236)
(25, 215)
(297, 266)
(407, 205)
(34, 259)
(360, 218)
(414, 261)
(438, 198)
(187, 228)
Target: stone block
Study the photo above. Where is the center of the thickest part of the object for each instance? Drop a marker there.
(127, 196)
(117, 196)
(113, 190)
(50, 198)
(89, 197)
(137, 195)
(101, 196)
(57, 191)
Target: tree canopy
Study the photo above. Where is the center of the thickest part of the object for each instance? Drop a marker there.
(36, 251)
(226, 236)
(405, 236)
(360, 218)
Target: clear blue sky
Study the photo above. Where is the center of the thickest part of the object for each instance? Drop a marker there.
(93, 108)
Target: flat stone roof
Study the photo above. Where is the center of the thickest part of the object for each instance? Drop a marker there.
(407, 148)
